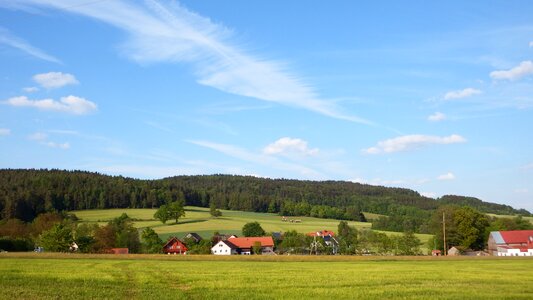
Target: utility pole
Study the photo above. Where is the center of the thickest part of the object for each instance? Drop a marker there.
(444, 231)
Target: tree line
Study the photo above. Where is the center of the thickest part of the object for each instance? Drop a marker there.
(24, 194)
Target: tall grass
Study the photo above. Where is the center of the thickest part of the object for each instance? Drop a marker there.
(52, 276)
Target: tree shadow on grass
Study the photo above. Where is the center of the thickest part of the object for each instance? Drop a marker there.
(190, 221)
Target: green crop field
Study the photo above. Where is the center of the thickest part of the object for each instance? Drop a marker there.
(198, 219)
(60, 276)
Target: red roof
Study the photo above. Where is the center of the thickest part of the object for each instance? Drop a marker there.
(248, 242)
(322, 233)
(174, 245)
(516, 236)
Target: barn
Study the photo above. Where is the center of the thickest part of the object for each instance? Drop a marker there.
(511, 243)
(174, 246)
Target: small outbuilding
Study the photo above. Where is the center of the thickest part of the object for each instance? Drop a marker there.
(193, 236)
(454, 252)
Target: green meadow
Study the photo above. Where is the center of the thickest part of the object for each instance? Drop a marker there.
(198, 219)
(58, 276)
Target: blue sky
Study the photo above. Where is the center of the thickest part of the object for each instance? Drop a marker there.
(436, 97)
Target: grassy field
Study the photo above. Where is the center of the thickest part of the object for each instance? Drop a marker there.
(530, 219)
(56, 276)
(198, 219)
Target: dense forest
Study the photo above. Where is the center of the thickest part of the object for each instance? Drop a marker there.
(26, 193)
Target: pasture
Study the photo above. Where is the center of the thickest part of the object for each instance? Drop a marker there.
(53, 276)
(198, 219)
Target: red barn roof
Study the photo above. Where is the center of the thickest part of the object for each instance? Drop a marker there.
(516, 236)
(248, 242)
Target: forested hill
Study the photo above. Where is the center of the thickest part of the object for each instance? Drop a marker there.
(26, 193)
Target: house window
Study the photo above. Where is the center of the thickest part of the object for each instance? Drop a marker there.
(226, 250)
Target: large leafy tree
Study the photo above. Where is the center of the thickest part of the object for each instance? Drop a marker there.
(56, 239)
(173, 210)
(253, 229)
(152, 243)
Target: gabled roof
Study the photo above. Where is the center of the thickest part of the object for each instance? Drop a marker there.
(248, 242)
(512, 236)
(171, 241)
(194, 235)
(229, 244)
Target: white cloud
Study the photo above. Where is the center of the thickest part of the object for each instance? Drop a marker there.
(31, 89)
(259, 159)
(70, 104)
(5, 131)
(38, 136)
(42, 138)
(523, 69)
(468, 92)
(52, 80)
(428, 194)
(171, 33)
(447, 176)
(527, 167)
(521, 191)
(7, 38)
(409, 142)
(531, 44)
(436, 117)
(63, 146)
(289, 146)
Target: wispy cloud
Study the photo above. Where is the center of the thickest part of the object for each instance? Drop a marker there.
(436, 117)
(523, 69)
(5, 131)
(259, 159)
(468, 92)
(172, 33)
(42, 138)
(9, 39)
(428, 194)
(290, 146)
(410, 142)
(54, 80)
(70, 104)
(31, 89)
(531, 44)
(447, 176)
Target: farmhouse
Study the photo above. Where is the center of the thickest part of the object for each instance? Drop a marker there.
(244, 245)
(175, 246)
(224, 248)
(511, 243)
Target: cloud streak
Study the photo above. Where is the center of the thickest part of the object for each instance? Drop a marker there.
(171, 33)
(10, 40)
(468, 92)
(53, 80)
(260, 159)
(70, 104)
(436, 117)
(523, 69)
(411, 142)
(289, 146)
(5, 131)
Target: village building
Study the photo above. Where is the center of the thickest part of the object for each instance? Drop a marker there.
(329, 238)
(511, 243)
(193, 236)
(454, 251)
(224, 248)
(174, 246)
(243, 246)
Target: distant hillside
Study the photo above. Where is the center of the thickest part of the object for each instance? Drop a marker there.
(26, 193)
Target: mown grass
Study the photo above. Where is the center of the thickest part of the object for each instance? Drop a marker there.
(34, 276)
(198, 219)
